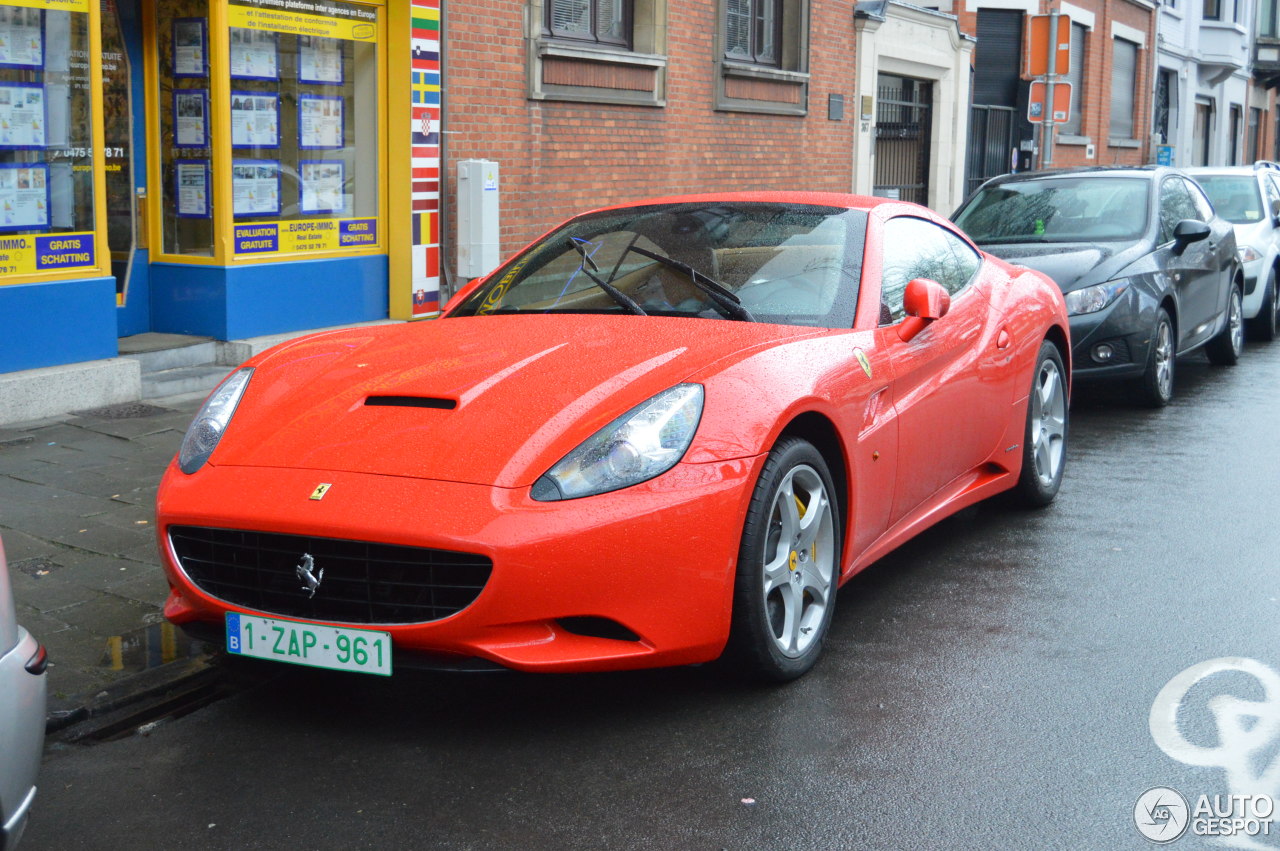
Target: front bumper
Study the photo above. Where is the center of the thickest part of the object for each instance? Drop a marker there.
(658, 558)
(1254, 289)
(1125, 326)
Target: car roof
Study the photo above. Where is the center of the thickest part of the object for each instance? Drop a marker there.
(1240, 170)
(823, 199)
(1142, 171)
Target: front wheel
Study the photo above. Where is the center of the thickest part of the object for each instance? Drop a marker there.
(1226, 348)
(1155, 387)
(1044, 445)
(788, 566)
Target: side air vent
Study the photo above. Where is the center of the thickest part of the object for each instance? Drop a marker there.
(412, 402)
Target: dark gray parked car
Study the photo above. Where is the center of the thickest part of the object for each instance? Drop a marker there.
(22, 703)
(1149, 270)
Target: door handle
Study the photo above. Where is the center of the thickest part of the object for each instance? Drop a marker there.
(1003, 339)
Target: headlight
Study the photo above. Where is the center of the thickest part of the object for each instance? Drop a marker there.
(1247, 254)
(1093, 299)
(207, 428)
(644, 442)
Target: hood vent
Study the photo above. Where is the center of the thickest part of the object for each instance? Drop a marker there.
(412, 402)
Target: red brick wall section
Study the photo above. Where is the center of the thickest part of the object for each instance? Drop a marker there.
(560, 158)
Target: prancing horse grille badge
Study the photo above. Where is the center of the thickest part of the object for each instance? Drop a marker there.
(310, 582)
(321, 490)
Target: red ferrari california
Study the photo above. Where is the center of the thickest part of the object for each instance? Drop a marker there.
(663, 433)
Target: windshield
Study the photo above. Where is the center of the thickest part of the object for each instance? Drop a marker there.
(765, 262)
(1235, 197)
(1060, 209)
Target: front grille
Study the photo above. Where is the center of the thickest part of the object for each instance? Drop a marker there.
(363, 582)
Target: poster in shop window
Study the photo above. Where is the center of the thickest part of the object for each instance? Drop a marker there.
(255, 188)
(319, 122)
(189, 47)
(253, 55)
(21, 38)
(319, 60)
(24, 196)
(255, 120)
(192, 178)
(22, 115)
(321, 186)
(190, 110)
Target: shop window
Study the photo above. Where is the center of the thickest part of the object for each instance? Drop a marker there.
(299, 117)
(185, 128)
(47, 214)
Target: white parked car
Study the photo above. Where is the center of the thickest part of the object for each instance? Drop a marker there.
(1249, 198)
(22, 707)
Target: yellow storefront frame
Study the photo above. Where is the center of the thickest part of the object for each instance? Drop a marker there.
(222, 156)
(102, 253)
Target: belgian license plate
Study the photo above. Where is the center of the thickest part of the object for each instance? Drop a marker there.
(301, 643)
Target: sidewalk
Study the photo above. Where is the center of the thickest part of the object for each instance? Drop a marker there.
(77, 514)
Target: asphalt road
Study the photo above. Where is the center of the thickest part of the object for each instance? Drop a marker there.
(988, 686)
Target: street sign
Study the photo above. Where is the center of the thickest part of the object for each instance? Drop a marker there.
(1037, 108)
(1164, 154)
(1038, 50)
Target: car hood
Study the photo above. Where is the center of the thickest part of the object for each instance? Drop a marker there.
(515, 393)
(1257, 235)
(1072, 265)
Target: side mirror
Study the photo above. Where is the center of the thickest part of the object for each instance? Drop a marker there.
(1188, 231)
(1275, 212)
(924, 301)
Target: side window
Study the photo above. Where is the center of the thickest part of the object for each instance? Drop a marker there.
(967, 263)
(915, 248)
(1175, 205)
(1204, 207)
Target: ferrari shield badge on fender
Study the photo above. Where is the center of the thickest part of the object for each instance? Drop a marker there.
(323, 488)
(862, 359)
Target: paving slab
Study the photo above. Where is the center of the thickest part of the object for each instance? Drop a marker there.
(77, 516)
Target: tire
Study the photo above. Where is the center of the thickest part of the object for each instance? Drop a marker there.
(1263, 326)
(788, 567)
(1155, 387)
(1044, 443)
(1226, 348)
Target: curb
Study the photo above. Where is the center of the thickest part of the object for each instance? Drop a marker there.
(171, 689)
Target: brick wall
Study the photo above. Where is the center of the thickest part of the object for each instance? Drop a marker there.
(560, 158)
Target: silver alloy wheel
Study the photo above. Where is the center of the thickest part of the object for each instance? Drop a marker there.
(1164, 359)
(799, 561)
(1236, 318)
(1048, 421)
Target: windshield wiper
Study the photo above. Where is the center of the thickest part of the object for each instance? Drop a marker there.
(720, 294)
(614, 293)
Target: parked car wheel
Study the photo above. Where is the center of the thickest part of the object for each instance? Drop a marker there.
(1226, 348)
(788, 566)
(1155, 387)
(1045, 442)
(1263, 326)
